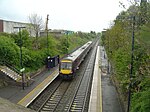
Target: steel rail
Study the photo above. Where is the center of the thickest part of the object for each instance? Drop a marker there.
(38, 102)
(51, 103)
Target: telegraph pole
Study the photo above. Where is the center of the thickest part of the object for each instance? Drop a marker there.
(21, 64)
(47, 32)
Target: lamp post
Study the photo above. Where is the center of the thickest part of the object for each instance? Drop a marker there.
(21, 64)
(131, 65)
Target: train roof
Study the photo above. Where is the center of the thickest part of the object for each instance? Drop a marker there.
(73, 56)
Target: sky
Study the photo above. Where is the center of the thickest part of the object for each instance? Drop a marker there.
(75, 15)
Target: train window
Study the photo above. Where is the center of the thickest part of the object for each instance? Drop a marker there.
(66, 65)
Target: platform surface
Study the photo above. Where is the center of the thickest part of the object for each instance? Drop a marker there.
(24, 97)
(95, 104)
(38, 89)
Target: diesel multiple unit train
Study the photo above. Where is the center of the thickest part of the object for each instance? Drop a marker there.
(70, 64)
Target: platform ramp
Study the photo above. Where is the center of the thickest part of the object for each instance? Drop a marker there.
(10, 73)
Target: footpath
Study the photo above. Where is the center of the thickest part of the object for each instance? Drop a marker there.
(110, 98)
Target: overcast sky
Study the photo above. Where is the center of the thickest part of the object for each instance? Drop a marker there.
(76, 15)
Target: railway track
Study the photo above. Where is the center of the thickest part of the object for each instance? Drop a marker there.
(51, 103)
(66, 96)
(39, 101)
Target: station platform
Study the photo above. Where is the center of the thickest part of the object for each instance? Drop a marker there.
(95, 104)
(38, 89)
(24, 97)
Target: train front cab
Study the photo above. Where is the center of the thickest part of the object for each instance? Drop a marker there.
(66, 69)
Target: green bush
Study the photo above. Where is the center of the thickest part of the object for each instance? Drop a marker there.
(141, 101)
(9, 51)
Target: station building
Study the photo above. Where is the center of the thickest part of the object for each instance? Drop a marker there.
(9, 27)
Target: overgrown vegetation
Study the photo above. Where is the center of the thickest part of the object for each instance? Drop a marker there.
(32, 57)
(117, 41)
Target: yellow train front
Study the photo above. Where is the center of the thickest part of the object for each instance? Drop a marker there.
(70, 64)
(66, 68)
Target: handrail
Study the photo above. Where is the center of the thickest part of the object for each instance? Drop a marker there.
(10, 66)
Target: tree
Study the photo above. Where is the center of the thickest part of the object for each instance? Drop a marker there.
(143, 11)
(26, 42)
(9, 51)
(64, 45)
(36, 23)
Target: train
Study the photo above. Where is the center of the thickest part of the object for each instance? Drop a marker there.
(68, 65)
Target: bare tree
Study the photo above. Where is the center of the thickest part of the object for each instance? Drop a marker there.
(36, 23)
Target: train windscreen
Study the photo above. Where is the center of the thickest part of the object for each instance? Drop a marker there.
(66, 66)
